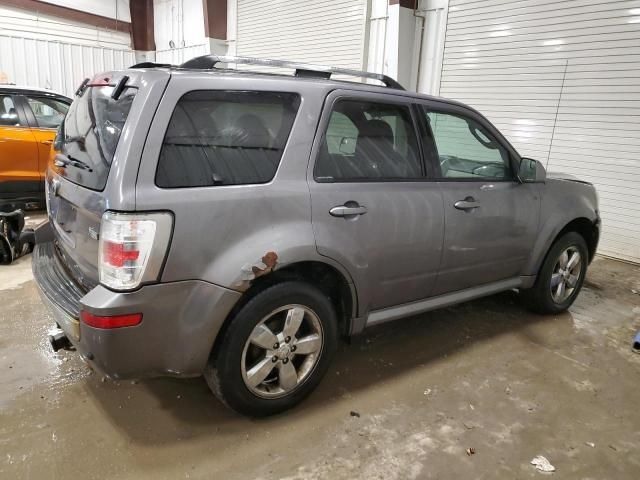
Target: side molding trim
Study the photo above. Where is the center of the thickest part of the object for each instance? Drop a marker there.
(394, 313)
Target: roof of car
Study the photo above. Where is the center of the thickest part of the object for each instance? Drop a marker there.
(25, 89)
(337, 83)
(206, 65)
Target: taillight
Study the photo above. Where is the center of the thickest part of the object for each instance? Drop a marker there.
(110, 321)
(132, 248)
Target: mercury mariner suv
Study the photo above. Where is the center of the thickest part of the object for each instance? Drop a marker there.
(235, 224)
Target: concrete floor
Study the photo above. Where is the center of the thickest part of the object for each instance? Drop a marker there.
(485, 375)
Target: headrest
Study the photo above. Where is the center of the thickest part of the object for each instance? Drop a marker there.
(247, 131)
(376, 128)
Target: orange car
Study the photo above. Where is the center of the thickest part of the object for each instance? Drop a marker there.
(29, 118)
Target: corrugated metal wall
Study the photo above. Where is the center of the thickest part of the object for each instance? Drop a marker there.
(25, 24)
(46, 52)
(326, 32)
(55, 65)
(523, 63)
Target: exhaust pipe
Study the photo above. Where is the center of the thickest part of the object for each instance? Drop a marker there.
(58, 339)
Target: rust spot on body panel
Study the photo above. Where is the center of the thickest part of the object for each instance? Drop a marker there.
(264, 266)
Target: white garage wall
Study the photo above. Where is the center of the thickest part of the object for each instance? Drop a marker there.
(48, 52)
(176, 56)
(525, 62)
(24, 24)
(326, 32)
(57, 66)
(117, 9)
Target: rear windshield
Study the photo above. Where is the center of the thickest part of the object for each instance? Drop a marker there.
(225, 138)
(89, 134)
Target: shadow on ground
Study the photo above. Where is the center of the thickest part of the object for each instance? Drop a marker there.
(383, 352)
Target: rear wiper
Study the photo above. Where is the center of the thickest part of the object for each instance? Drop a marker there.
(64, 160)
(83, 86)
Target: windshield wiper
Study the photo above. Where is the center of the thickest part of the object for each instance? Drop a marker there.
(64, 160)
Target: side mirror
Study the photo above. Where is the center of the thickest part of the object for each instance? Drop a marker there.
(531, 171)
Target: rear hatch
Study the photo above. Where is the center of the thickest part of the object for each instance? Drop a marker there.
(87, 157)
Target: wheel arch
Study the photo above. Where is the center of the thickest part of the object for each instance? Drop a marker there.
(588, 229)
(329, 279)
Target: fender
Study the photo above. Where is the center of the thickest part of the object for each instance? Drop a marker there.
(563, 201)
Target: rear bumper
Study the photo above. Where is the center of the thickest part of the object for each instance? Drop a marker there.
(180, 320)
(60, 293)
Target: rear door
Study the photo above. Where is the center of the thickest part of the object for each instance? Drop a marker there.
(373, 209)
(45, 114)
(18, 151)
(491, 218)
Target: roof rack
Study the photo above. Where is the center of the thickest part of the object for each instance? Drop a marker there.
(207, 62)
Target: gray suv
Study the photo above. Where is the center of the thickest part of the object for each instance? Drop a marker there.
(235, 224)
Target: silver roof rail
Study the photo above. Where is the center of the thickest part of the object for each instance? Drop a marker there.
(207, 62)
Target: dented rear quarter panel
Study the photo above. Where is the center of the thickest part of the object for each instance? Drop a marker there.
(227, 235)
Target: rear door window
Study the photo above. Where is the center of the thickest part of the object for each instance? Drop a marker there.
(225, 138)
(368, 141)
(49, 112)
(89, 134)
(8, 112)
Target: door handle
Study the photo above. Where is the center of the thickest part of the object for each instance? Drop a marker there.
(347, 210)
(467, 204)
(46, 142)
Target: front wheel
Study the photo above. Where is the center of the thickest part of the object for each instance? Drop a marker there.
(275, 351)
(561, 276)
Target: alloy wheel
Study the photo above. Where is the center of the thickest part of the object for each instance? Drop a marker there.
(566, 274)
(282, 351)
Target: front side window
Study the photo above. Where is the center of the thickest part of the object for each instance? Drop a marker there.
(368, 141)
(225, 138)
(466, 150)
(8, 112)
(49, 113)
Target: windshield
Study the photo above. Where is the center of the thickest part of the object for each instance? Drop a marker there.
(88, 136)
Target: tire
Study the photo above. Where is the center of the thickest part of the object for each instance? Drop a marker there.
(237, 364)
(543, 297)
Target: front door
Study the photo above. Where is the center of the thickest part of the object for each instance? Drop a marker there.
(373, 209)
(19, 176)
(491, 218)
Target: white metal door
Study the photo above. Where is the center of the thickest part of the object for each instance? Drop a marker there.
(562, 81)
(327, 32)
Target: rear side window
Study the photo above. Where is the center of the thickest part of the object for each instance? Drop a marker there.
(225, 138)
(368, 141)
(49, 112)
(8, 112)
(89, 134)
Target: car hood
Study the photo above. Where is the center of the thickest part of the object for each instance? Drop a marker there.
(566, 177)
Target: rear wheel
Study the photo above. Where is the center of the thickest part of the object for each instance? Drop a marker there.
(275, 351)
(561, 276)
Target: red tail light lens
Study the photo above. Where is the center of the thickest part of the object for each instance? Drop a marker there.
(113, 321)
(116, 254)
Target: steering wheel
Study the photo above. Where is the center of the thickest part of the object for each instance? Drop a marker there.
(445, 161)
(493, 170)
